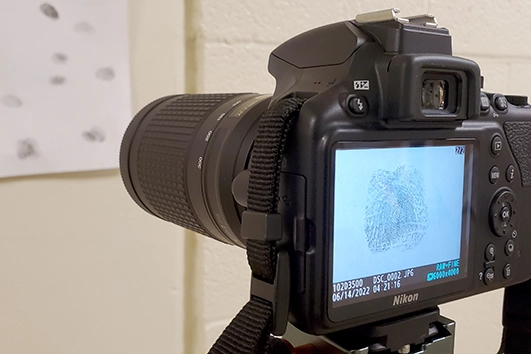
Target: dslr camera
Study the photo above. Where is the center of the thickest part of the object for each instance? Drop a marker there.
(400, 185)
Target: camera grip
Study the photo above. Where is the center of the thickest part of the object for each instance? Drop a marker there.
(519, 136)
(517, 319)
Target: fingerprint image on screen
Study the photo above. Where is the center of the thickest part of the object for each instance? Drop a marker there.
(396, 215)
(397, 207)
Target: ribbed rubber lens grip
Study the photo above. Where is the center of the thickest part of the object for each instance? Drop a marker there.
(154, 155)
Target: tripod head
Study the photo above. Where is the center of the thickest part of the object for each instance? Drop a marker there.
(426, 332)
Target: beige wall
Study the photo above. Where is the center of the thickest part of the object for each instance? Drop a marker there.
(83, 270)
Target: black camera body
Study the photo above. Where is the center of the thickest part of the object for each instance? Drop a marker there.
(403, 186)
(495, 133)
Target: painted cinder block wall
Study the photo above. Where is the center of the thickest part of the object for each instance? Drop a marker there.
(228, 43)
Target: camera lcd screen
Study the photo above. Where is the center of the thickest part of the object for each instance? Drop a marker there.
(401, 218)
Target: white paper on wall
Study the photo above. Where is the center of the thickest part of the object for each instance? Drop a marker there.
(64, 85)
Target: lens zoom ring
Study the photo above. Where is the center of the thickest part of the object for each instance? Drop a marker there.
(162, 155)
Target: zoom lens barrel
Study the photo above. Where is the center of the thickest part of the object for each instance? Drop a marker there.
(180, 155)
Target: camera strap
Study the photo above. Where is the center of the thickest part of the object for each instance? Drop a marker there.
(267, 310)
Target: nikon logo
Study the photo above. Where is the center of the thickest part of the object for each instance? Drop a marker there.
(405, 299)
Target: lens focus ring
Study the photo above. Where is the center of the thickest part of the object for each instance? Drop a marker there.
(154, 155)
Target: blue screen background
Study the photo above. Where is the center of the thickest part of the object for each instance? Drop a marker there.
(435, 174)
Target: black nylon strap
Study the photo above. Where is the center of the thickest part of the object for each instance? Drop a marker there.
(249, 331)
(262, 193)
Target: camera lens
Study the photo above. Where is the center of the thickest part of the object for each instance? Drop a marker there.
(180, 155)
(434, 94)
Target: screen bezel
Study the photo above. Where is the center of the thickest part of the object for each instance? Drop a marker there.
(443, 288)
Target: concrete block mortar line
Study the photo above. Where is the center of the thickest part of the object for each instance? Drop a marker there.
(510, 69)
(489, 55)
(240, 41)
(428, 7)
(193, 290)
(218, 323)
(193, 315)
(258, 42)
(519, 75)
(194, 44)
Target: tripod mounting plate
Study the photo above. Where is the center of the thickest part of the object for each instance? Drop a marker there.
(422, 333)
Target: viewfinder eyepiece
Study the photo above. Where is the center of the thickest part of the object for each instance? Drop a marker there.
(439, 94)
(434, 94)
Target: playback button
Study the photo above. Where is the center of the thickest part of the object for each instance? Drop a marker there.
(496, 145)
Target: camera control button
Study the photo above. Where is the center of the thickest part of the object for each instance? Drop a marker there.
(506, 213)
(490, 252)
(496, 145)
(509, 248)
(485, 103)
(507, 271)
(501, 103)
(494, 174)
(488, 277)
(510, 173)
(503, 214)
(517, 100)
(358, 105)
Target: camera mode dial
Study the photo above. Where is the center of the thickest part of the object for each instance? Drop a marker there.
(503, 213)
